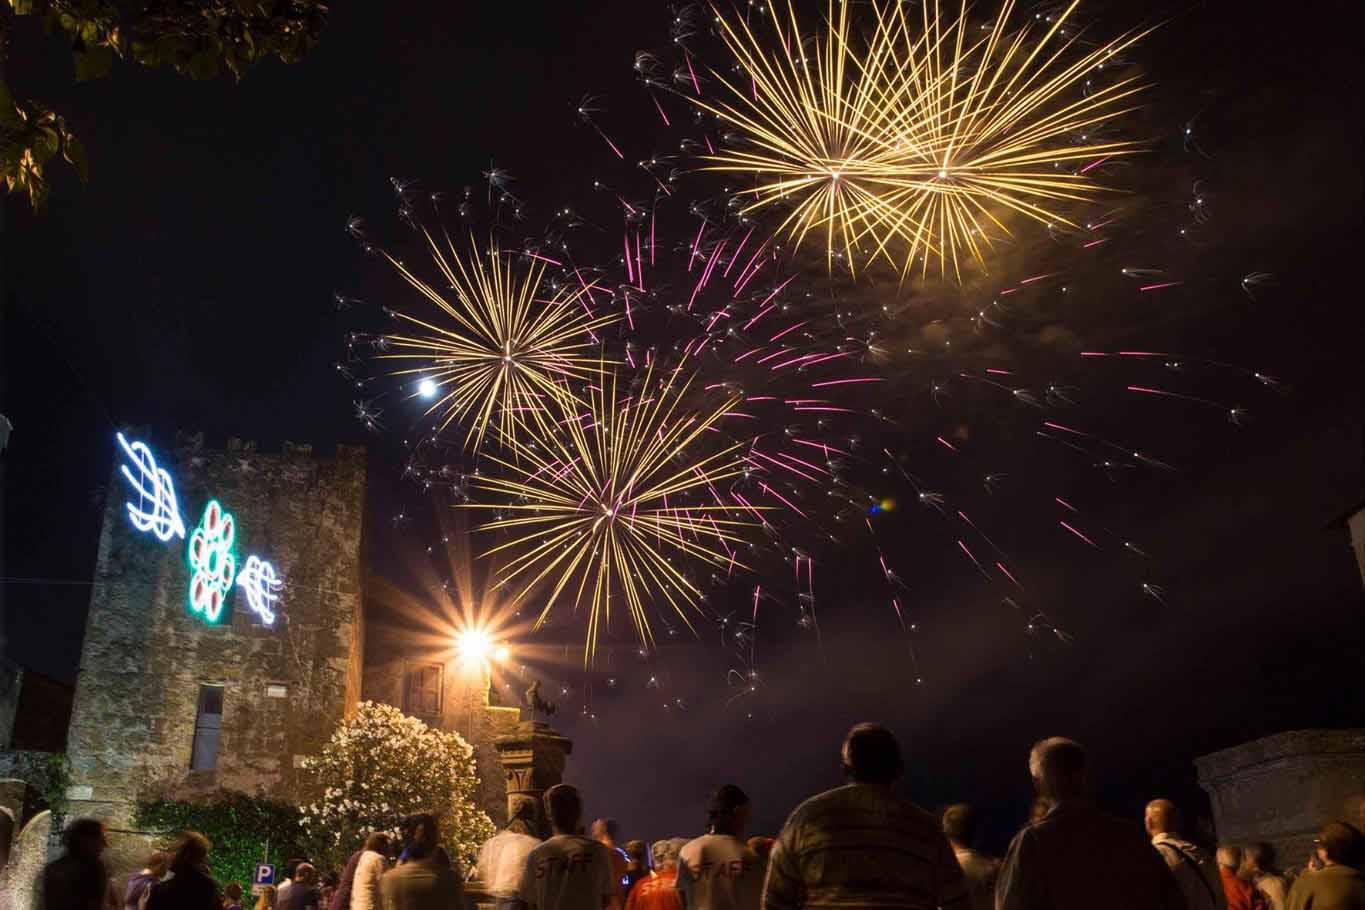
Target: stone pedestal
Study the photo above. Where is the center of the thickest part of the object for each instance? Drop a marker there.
(1282, 788)
(533, 762)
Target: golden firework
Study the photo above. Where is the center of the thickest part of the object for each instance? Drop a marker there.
(504, 349)
(916, 140)
(603, 501)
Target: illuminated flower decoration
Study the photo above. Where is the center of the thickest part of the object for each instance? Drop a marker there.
(261, 584)
(156, 510)
(212, 564)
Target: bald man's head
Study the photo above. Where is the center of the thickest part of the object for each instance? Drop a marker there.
(1162, 817)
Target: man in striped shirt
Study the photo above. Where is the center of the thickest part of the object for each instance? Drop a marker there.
(860, 846)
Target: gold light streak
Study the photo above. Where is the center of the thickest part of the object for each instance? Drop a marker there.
(503, 347)
(606, 503)
(920, 138)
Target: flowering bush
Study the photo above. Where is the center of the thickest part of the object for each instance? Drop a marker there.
(381, 765)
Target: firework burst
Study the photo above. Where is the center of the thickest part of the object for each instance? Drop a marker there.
(923, 139)
(504, 348)
(603, 500)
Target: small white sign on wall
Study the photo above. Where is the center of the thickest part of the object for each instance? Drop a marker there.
(80, 792)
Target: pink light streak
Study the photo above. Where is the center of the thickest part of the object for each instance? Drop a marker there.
(1078, 534)
(830, 382)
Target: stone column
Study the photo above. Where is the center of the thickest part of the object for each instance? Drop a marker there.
(533, 761)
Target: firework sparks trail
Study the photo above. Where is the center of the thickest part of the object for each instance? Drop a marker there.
(916, 142)
(502, 350)
(604, 529)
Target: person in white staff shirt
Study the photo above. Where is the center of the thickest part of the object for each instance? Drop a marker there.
(718, 871)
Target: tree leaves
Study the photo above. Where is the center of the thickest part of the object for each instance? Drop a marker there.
(196, 38)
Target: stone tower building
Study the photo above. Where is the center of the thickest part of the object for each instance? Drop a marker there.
(188, 685)
(168, 704)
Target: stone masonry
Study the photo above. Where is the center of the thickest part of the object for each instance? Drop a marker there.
(393, 653)
(145, 655)
(1282, 788)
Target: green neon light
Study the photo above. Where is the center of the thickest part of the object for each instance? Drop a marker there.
(213, 568)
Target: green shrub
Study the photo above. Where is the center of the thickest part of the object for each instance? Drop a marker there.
(237, 825)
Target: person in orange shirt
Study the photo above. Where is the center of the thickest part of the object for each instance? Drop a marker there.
(1239, 894)
(659, 890)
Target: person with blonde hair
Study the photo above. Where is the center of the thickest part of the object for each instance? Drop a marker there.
(190, 886)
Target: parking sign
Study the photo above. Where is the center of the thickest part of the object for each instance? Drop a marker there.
(265, 875)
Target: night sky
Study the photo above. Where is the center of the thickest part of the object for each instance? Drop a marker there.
(190, 286)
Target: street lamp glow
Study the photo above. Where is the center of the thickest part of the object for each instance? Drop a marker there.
(426, 388)
(473, 645)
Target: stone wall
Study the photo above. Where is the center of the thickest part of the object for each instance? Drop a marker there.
(11, 683)
(1282, 788)
(391, 651)
(145, 654)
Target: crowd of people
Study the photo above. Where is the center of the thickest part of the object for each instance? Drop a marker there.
(856, 846)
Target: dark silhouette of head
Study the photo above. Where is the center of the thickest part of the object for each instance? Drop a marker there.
(1161, 817)
(1340, 844)
(1258, 857)
(729, 811)
(564, 807)
(191, 853)
(871, 755)
(232, 891)
(959, 825)
(85, 838)
(306, 874)
(421, 835)
(1058, 768)
(377, 842)
(606, 830)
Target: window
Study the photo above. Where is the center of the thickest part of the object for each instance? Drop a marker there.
(208, 723)
(422, 690)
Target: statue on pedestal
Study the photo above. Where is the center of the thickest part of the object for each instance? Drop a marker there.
(537, 704)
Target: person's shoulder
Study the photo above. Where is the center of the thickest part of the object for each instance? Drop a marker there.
(696, 845)
(820, 803)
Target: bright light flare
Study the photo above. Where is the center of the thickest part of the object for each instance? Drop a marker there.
(473, 645)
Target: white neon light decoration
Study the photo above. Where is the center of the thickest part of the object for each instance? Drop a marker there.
(213, 566)
(156, 510)
(259, 581)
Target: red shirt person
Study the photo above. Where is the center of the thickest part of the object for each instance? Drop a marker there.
(659, 889)
(1239, 894)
